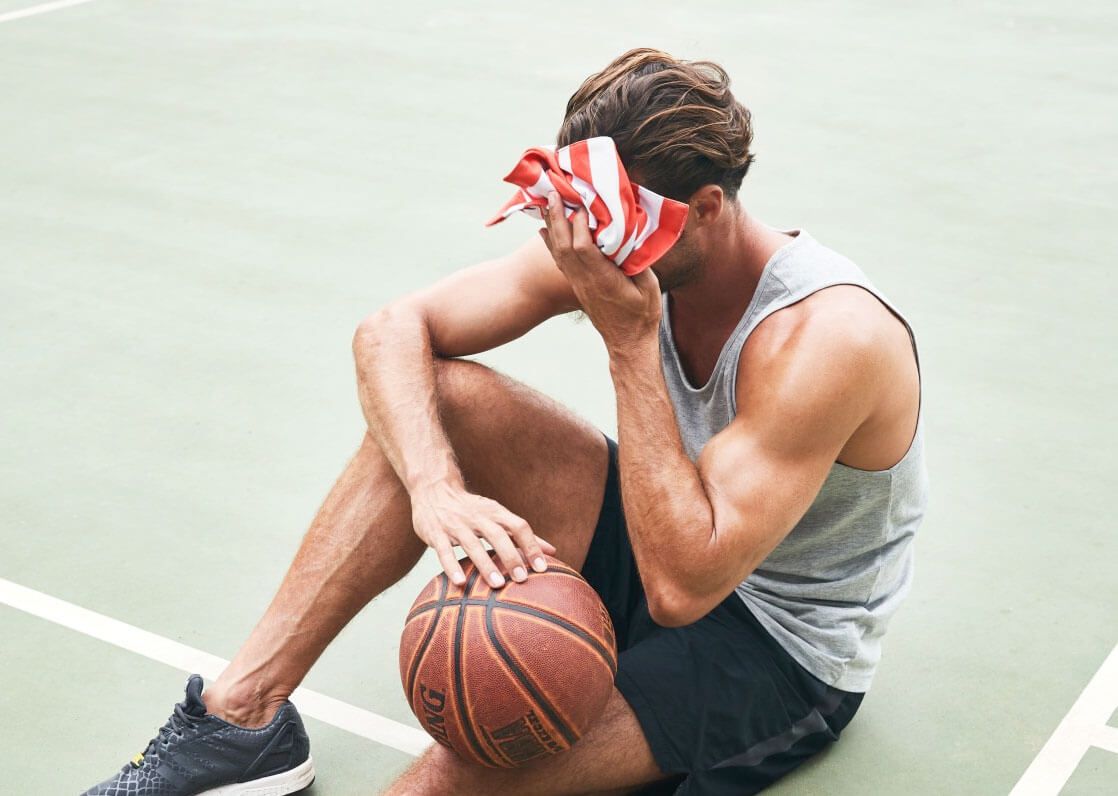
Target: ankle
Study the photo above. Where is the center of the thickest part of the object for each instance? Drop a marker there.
(243, 705)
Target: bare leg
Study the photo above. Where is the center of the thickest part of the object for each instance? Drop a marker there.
(514, 445)
(612, 757)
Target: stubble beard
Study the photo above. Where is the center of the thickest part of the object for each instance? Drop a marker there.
(687, 272)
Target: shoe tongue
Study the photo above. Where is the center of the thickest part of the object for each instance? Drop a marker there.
(194, 705)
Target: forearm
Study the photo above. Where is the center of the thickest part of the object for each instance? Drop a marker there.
(667, 511)
(396, 385)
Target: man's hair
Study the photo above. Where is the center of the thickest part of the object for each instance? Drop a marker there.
(673, 121)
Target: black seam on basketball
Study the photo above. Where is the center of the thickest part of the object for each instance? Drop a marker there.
(568, 734)
(417, 658)
(563, 570)
(442, 601)
(601, 649)
(422, 609)
(593, 650)
(459, 685)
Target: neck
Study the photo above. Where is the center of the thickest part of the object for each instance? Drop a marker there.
(734, 260)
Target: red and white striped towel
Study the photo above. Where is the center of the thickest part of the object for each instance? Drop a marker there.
(632, 225)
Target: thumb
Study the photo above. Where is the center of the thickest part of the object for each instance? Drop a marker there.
(647, 283)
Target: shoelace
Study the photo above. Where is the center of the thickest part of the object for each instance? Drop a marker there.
(176, 725)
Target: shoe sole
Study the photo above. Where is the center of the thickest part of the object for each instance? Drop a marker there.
(276, 785)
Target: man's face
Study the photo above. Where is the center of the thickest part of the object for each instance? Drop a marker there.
(680, 265)
(683, 263)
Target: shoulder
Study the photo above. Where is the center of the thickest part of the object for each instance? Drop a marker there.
(824, 351)
(842, 321)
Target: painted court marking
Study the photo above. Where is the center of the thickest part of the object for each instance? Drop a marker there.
(45, 8)
(1084, 726)
(188, 659)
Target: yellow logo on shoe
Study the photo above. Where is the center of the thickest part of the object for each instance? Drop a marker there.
(137, 760)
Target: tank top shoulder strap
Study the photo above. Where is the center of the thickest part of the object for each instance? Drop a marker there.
(795, 271)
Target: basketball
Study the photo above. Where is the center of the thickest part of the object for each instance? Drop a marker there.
(505, 676)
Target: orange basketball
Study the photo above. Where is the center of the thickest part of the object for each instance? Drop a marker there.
(504, 676)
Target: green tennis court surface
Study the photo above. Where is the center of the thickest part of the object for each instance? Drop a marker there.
(201, 200)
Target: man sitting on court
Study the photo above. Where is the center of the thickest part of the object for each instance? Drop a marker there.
(770, 455)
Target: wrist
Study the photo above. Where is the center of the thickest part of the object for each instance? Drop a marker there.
(426, 484)
(636, 355)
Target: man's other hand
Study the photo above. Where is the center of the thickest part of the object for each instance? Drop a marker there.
(446, 516)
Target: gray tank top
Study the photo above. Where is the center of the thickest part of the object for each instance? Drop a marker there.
(829, 588)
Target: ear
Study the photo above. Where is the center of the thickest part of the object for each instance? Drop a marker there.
(707, 204)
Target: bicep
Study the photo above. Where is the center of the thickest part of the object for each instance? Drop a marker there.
(491, 303)
(795, 413)
(759, 487)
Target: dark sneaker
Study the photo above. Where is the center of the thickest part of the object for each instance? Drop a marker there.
(197, 753)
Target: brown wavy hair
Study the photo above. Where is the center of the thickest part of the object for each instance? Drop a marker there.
(674, 122)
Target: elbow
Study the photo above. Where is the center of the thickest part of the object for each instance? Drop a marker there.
(670, 606)
(368, 331)
(375, 327)
(683, 597)
(365, 335)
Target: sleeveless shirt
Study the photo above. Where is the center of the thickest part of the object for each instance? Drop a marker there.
(828, 590)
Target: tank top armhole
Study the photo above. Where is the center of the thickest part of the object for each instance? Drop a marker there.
(732, 382)
(744, 333)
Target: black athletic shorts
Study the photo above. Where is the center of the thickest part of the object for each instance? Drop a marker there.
(724, 708)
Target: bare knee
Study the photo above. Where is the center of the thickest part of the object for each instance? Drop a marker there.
(463, 386)
(523, 449)
(482, 410)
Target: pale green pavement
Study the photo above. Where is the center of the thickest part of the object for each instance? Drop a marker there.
(101, 704)
(202, 199)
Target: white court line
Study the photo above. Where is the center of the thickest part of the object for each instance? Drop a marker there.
(45, 8)
(157, 648)
(1084, 726)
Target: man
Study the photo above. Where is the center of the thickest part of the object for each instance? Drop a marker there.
(770, 456)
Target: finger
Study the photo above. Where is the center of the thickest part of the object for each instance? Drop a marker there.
(647, 283)
(445, 551)
(506, 551)
(545, 214)
(582, 241)
(558, 227)
(480, 556)
(593, 266)
(527, 541)
(547, 547)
